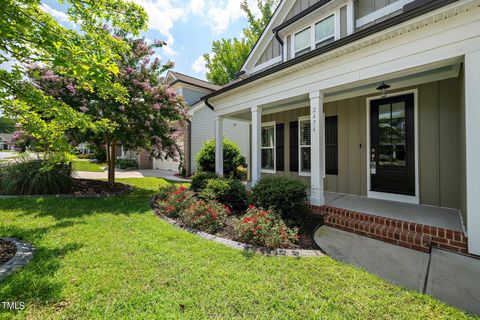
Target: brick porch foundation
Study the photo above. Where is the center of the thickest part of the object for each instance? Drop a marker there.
(411, 235)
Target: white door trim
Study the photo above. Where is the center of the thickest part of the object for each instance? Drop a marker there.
(391, 196)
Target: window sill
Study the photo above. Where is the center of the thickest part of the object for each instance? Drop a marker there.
(305, 174)
(269, 171)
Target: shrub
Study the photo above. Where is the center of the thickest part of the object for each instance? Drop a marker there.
(125, 164)
(206, 216)
(230, 192)
(232, 158)
(285, 196)
(33, 177)
(265, 228)
(199, 180)
(100, 153)
(176, 201)
(165, 191)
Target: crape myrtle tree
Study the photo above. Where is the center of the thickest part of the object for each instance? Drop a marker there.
(149, 119)
(87, 53)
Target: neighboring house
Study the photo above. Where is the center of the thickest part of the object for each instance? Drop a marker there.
(378, 99)
(6, 141)
(201, 126)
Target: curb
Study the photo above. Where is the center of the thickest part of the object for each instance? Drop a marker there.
(24, 255)
(238, 245)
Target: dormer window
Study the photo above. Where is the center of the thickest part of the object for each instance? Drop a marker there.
(302, 41)
(324, 31)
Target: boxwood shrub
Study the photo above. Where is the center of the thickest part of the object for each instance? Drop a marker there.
(230, 192)
(283, 195)
(199, 180)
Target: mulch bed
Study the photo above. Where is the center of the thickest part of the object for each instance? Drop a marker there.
(7, 251)
(84, 187)
(307, 224)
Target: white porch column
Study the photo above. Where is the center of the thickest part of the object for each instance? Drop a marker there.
(219, 146)
(317, 148)
(472, 135)
(256, 144)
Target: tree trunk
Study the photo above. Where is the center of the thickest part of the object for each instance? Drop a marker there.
(111, 164)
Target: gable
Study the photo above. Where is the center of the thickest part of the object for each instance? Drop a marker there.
(299, 6)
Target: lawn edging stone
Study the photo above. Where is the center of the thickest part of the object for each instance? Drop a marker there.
(23, 256)
(235, 244)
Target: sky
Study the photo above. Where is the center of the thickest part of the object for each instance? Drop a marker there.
(188, 26)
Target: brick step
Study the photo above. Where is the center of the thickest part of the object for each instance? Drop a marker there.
(397, 236)
(447, 239)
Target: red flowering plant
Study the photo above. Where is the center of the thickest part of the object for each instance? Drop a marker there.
(172, 202)
(265, 228)
(208, 216)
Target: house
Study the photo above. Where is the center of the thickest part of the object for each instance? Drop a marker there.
(375, 103)
(201, 126)
(6, 141)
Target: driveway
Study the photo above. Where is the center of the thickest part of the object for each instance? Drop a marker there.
(166, 174)
(6, 155)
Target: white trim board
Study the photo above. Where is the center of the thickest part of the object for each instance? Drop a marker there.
(391, 196)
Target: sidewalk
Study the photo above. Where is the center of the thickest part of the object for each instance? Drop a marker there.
(452, 278)
(166, 174)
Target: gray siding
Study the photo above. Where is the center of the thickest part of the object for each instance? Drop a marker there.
(364, 7)
(192, 96)
(273, 50)
(441, 144)
(299, 6)
(343, 21)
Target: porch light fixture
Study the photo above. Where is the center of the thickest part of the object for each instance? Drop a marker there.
(383, 88)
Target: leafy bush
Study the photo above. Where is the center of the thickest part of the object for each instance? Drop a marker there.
(232, 158)
(208, 216)
(265, 228)
(176, 201)
(100, 153)
(33, 177)
(230, 192)
(285, 196)
(125, 164)
(199, 180)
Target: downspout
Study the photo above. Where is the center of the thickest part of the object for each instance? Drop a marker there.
(208, 104)
(277, 36)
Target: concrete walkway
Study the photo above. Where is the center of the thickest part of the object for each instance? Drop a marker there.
(449, 277)
(166, 174)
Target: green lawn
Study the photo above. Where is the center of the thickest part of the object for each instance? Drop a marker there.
(85, 165)
(114, 259)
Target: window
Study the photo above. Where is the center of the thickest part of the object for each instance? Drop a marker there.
(304, 136)
(325, 30)
(268, 147)
(302, 41)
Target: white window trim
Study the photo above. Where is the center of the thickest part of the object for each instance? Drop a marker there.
(313, 42)
(300, 172)
(380, 13)
(269, 124)
(267, 64)
(295, 37)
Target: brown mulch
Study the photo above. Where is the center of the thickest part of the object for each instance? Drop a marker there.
(7, 251)
(84, 187)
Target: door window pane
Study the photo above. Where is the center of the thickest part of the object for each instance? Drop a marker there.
(302, 40)
(392, 134)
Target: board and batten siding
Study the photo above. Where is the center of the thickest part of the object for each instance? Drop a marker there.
(203, 129)
(440, 144)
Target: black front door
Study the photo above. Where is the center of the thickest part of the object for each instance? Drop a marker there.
(392, 129)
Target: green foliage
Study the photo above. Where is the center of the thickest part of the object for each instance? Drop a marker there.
(100, 153)
(208, 216)
(24, 176)
(7, 125)
(232, 158)
(286, 196)
(230, 192)
(126, 164)
(229, 55)
(199, 180)
(265, 228)
(175, 201)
